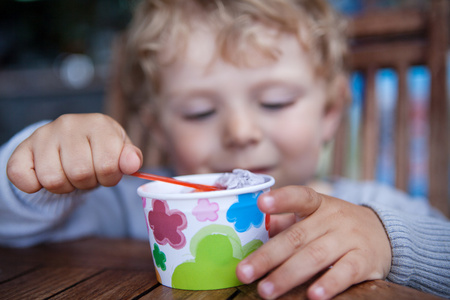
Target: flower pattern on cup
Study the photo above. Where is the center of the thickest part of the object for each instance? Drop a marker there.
(144, 204)
(245, 212)
(159, 257)
(167, 225)
(206, 210)
(217, 250)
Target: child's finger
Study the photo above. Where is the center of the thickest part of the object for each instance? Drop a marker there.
(130, 158)
(279, 249)
(77, 162)
(20, 170)
(280, 222)
(349, 270)
(106, 150)
(300, 267)
(300, 200)
(49, 170)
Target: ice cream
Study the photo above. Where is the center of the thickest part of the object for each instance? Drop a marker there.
(197, 239)
(238, 179)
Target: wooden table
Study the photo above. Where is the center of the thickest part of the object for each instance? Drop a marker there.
(97, 268)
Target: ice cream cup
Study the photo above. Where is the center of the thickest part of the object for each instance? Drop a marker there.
(198, 238)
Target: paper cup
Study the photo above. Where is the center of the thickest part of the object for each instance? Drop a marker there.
(198, 238)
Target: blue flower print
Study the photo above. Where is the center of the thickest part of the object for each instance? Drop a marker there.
(245, 212)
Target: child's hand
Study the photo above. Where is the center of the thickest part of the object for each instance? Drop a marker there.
(73, 152)
(328, 232)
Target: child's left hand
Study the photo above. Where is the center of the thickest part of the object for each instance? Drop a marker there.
(319, 231)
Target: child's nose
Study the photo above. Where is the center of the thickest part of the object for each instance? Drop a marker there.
(241, 130)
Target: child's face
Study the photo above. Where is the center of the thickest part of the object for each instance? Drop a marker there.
(270, 119)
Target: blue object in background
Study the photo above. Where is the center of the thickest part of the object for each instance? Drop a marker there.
(418, 81)
(347, 7)
(386, 89)
(357, 85)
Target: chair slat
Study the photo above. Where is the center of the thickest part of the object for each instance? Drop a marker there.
(439, 126)
(402, 132)
(340, 149)
(388, 54)
(395, 22)
(370, 128)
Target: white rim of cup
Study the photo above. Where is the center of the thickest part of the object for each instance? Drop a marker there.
(269, 181)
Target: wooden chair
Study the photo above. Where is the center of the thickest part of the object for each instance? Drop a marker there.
(398, 40)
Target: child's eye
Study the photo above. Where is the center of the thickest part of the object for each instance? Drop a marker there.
(198, 116)
(276, 106)
(277, 97)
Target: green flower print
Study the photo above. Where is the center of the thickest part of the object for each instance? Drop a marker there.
(217, 250)
(159, 257)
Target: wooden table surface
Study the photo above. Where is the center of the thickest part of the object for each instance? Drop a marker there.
(97, 268)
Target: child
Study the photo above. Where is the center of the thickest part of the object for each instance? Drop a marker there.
(259, 85)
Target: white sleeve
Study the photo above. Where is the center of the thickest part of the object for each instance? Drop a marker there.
(23, 216)
(28, 219)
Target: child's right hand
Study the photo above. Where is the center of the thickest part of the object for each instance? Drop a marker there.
(78, 151)
(313, 232)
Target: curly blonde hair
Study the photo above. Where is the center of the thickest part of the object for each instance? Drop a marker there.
(157, 23)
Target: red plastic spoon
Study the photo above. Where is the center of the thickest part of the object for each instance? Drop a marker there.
(200, 187)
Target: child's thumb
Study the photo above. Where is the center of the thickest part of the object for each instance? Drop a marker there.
(130, 159)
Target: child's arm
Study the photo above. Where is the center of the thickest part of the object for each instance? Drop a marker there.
(73, 152)
(27, 219)
(353, 240)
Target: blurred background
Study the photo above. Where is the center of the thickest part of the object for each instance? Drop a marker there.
(55, 58)
(54, 54)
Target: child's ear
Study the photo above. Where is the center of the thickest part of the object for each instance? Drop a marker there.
(338, 100)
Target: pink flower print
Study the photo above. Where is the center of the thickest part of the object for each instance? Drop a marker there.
(205, 210)
(144, 204)
(167, 225)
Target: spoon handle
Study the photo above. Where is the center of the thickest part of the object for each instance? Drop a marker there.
(197, 186)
